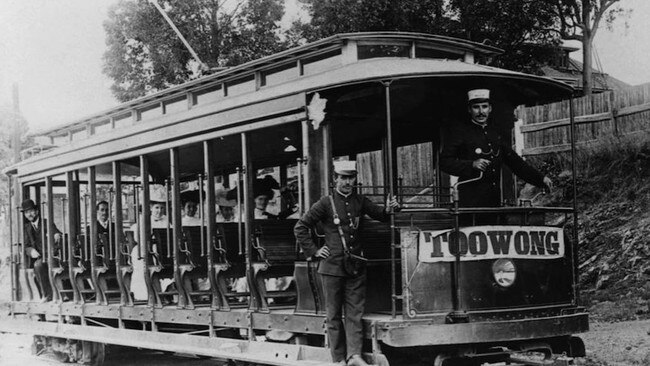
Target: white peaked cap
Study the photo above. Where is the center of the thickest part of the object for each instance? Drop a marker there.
(345, 167)
(478, 94)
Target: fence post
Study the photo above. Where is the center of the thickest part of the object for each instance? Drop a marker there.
(614, 112)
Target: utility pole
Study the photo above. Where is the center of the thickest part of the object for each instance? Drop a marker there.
(16, 120)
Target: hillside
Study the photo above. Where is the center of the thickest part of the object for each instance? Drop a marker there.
(613, 185)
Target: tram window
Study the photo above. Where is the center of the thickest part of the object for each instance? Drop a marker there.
(123, 120)
(60, 140)
(381, 50)
(150, 112)
(418, 183)
(279, 74)
(208, 95)
(370, 177)
(425, 52)
(175, 105)
(102, 127)
(322, 62)
(275, 151)
(240, 86)
(78, 135)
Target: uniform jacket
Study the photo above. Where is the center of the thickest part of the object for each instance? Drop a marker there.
(351, 210)
(33, 236)
(461, 149)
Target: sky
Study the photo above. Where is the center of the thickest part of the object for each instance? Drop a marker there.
(53, 51)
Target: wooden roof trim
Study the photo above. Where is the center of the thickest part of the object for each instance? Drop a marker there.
(321, 46)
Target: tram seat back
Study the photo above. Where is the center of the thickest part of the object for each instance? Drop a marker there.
(277, 241)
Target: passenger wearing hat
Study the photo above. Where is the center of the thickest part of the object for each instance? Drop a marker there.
(342, 225)
(158, 219)
(475, 145)
(190, 202)
(263, 193)
(34, 247)
(226, 200)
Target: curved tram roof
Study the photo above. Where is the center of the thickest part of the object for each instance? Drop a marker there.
(273, 90)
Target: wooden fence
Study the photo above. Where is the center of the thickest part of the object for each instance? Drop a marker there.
(598, 118)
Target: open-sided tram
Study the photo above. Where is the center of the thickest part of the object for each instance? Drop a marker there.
(235, 286)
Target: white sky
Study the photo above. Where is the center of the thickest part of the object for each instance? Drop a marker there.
(53, 50)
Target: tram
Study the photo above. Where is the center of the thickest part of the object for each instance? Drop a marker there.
(236, 286)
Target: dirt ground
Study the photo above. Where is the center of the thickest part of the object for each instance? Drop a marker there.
(608, 344)
(618, 344)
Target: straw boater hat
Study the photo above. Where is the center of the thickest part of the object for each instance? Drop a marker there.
(345, 167)
(478, 95)
(226, 198)
(157, 194)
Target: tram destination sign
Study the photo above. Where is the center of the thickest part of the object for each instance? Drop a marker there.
(491, 242)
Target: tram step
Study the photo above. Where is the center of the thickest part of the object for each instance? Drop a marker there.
(281, 294)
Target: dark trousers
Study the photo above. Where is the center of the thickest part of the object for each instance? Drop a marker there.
(43, 278)
(347, 293)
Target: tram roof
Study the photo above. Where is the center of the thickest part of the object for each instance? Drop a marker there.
(331, 43)
(283, 100)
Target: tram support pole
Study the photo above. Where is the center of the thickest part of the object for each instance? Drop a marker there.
(12, 261)
(574, 232)
(391, 191)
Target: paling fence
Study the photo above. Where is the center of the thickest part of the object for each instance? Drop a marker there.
(599, 118)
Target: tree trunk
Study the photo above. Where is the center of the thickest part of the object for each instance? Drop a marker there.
(586, 48)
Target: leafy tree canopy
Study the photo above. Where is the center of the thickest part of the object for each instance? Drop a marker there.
(145, 55)
(517, 26)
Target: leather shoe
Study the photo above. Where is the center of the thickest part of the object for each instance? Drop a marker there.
(356, 360)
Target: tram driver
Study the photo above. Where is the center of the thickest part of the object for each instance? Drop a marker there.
(343, 288)
(34, 246)
(475, 145)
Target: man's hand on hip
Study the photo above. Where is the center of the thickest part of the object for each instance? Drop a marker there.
(322, 252)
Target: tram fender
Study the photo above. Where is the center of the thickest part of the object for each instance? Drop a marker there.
(423, 334)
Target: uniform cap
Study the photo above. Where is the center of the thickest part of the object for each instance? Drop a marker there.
(345, 167)
(478, 95)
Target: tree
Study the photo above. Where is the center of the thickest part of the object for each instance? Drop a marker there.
(343, 16)
(144, 54)
(579, 20)
(517, 26)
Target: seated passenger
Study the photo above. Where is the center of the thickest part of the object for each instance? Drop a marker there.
(226, 201)
(190, 202)
(157, 204)
(34, 246)
(263, 193)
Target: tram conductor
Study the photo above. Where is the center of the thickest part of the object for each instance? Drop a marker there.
(475, 145)
(345, 285)
(33, 232)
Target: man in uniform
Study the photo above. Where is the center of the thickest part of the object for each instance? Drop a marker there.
(475, 146)
(34, 246)
(342, 225)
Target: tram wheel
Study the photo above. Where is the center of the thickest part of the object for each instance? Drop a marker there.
(442, 359)
(94, 353)
(38, 345)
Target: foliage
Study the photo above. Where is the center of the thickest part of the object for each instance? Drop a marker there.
(518, 27)
(7, 126)
(144, 54)
(580, 20)
(343, 16)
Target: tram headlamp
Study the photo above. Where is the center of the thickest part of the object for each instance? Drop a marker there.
(504, 272)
